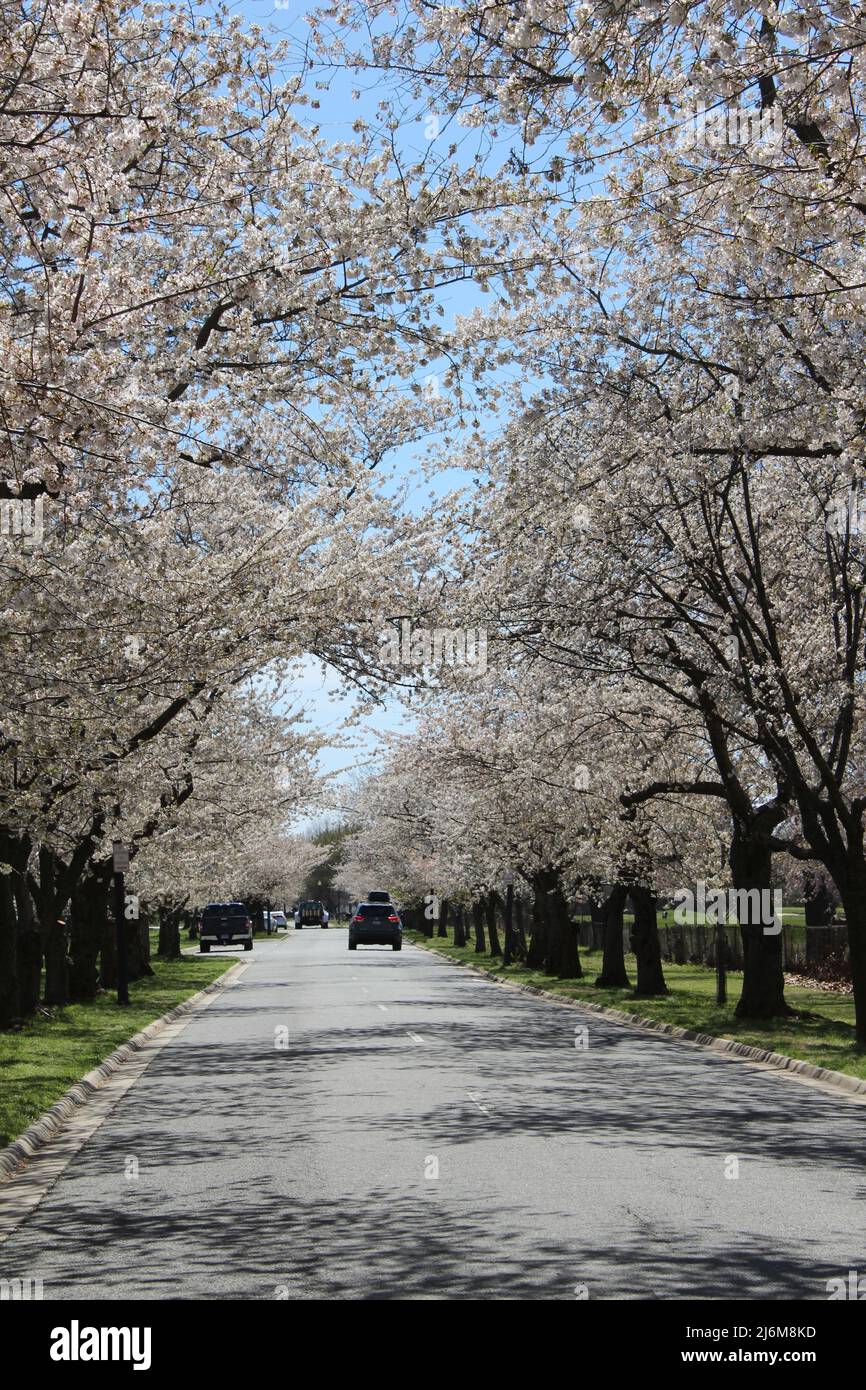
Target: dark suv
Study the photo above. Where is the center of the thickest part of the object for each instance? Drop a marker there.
(225, 924)
(375, 924)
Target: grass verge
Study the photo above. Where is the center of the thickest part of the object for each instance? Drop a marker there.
(822, 1036)
(48, 1055)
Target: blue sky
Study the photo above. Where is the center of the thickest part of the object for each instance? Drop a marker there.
(318, 689)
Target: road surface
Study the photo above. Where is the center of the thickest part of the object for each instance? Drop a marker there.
(418, 1132)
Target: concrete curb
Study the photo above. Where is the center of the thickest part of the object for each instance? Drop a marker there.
(793, 1065)
(22, 1149)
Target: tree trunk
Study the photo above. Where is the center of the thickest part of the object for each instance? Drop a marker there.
(846, 867)
(89, 917)
(29, 944)
(443, 919)
(9, 997)
(459, 926)
(492, 933)
(508, 953)
(856, 918)
(557, 926)
(478, 924)
(542, 884)
(54, 943)
(763, 994)
(138, 945)
(169, 934)
(854, 902)
(613, 974)
(570, 967)
(646, 944)
(521, 948)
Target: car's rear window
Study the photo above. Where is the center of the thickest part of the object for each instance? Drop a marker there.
(225, 910)
(375, 909)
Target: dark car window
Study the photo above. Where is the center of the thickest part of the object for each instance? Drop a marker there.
(374, 910)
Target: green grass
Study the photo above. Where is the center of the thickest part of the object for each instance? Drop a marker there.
(823, 1036)
(48, 1055)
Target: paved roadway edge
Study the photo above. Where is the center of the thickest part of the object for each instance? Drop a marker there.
(48, 1126)
(832, 1082)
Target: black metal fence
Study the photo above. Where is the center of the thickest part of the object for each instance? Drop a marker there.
(696, 944)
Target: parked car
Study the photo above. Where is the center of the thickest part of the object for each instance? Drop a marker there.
(278, 920)
(225, 924)
(375, 924)
(311, 914)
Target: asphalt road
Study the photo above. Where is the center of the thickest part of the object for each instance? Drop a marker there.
(428, 1134)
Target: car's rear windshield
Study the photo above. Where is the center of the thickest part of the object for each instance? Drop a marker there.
(225, 910)
(375, 909)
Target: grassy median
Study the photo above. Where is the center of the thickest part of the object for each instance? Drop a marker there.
(49, 1054)
(823, 1034)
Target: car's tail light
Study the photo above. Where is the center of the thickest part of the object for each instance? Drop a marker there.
(393, 917)
(357, 918)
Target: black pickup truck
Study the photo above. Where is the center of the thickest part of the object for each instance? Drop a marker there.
(311, 914)
(225, 924)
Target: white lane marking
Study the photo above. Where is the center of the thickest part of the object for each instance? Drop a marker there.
(416, 1037)
(474, 1098)
(383, 1007)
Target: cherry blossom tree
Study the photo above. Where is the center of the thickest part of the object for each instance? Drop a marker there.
(204, 297)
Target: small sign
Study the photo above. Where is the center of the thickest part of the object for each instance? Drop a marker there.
(121, 857)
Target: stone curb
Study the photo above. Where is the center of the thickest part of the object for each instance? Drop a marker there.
(22, 1149)
(793, 1065)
